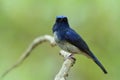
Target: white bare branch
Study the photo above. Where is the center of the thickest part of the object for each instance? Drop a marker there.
(67, 64)
(30, 48)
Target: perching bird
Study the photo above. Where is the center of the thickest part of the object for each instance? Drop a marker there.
(68, 40)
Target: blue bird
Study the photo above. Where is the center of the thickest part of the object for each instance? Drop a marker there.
(68, 40)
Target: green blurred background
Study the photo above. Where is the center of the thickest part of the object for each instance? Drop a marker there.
(21, 21)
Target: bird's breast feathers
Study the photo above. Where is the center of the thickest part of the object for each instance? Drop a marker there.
(65, 45)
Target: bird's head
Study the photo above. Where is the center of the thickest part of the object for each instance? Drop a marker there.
(61, 19)
(61, 23)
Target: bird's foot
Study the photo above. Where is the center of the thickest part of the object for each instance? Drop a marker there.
(72, 58)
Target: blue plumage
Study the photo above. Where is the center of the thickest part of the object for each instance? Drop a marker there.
(68, 40)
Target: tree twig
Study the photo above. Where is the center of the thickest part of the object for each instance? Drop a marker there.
(30, 48)
(67, 64)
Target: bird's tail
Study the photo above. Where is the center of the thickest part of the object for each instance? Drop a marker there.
(97, 62)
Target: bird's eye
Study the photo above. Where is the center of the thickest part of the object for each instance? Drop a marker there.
(64, 19)
(58, 19)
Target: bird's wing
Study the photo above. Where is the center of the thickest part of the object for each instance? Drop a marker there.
(72, 37)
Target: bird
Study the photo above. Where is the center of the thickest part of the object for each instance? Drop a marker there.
(70, 41)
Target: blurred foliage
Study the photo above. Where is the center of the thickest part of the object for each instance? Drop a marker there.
(98, 22)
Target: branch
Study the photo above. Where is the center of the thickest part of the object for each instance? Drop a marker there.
(32, 46)
(68, 63)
